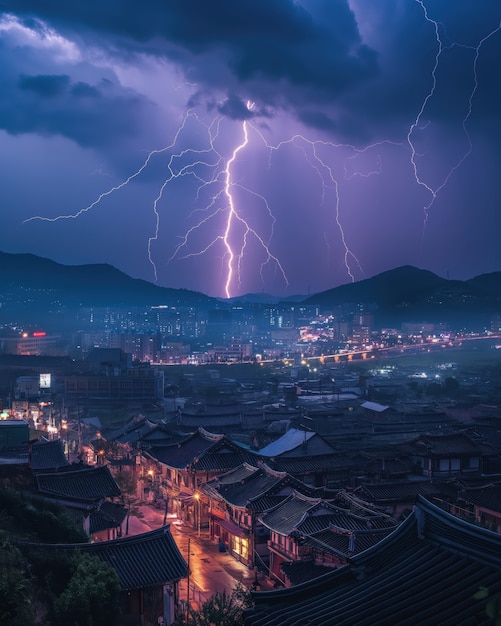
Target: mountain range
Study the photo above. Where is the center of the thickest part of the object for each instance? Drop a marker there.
(32, 286)
(410, 294)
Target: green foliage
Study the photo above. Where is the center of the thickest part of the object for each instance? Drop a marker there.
(51, 569)
(91, 597)
(221, 609)
(15, 604)
(35, 519)
(493, 604)
(127, 482)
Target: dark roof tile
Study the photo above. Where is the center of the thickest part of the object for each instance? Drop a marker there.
(425, 572)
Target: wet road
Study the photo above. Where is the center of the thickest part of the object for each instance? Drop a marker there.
(210, 570)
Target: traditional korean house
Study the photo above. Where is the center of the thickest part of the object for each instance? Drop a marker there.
(485, 501)
(395, 498)
(445, 456)
(297, 534)
(46, 455)
(87, 493)
(235, 500)
(433, 569)
(180, 469)
(332, 470)
(149, 567)
(308, 457)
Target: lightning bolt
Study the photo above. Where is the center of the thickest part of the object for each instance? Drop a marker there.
(223, 203)
(215, 175)
(433, 191)
(328, 179)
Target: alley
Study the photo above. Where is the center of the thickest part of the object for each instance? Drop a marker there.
(210, 570)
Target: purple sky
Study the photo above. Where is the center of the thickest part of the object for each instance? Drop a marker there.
(240, 146)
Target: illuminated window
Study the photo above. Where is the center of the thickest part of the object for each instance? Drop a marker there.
(241, 546)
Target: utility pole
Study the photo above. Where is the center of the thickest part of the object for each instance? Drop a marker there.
(188, 592)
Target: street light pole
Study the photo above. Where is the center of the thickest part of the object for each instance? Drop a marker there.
(197, 498)
(65, 430)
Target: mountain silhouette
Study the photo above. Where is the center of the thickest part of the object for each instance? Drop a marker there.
(32, 287)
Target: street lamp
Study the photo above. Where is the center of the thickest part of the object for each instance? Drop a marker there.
(197, 498)
(65, 429)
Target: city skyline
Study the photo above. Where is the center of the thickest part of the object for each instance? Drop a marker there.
(279, 147)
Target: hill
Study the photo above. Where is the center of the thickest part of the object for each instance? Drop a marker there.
(35, 290)
(30, 284)
(410, 294)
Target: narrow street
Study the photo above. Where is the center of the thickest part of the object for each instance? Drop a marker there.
(210, 570)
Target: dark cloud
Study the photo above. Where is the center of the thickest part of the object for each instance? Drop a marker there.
(235, 108)
(357, 72)
(45, 86)
(91, 115)
(267, 46)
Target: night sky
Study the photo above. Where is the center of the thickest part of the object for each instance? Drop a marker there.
(236, 146)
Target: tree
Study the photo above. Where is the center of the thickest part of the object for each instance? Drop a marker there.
(15, 604)
(128, 486)
(36, 519)
(92, 595)
(221, 609)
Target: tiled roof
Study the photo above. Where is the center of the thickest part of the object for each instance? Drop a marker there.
(297, 442)
(223, 460)
(389, 466)
(486, 497)
(108, 515)
(301, 465)
(89, 483)
(396, 491)
(242, 472)
(265, 502)
(184, 452)
(344, 519)
(290, 440)
(443, 445)
(345, 543)
(302, 571)
(143, 560)
(286, 516)
(374, 406)
(47, 454)
(136, 432)
(246, 484)
(425, 572)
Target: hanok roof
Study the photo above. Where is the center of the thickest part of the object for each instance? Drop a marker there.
(302, 571)
(47, 454)
(181, 454)
(108, 515)
(285, 517)
(297, 442)
(443, 445)
(136, 431)
(345, 543)
(88, 483)
(426, 572)
(382, 493)
(246, 483)
(223, 456)
(333, 516)
(322, 463)
(375, 406)
(152, 558)
(238, 474)
(488, 497)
